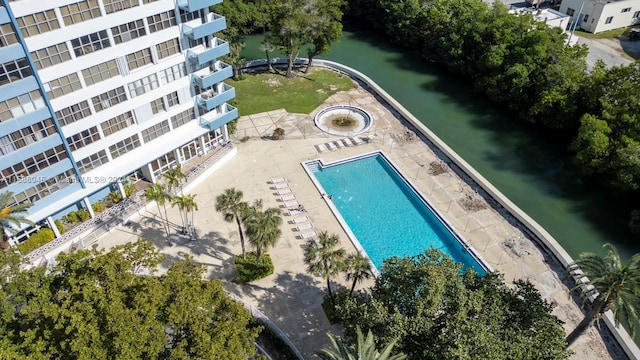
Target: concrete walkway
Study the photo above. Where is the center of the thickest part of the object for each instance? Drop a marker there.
(291, 297)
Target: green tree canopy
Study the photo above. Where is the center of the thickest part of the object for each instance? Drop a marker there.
(92, 305)
(436, 311)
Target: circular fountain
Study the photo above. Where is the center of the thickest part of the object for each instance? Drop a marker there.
(343, 120)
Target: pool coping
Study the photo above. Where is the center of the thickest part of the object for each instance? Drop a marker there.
(354, 239)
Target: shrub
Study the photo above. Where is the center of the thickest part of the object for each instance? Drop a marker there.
(60, 225)
(115, 197)
(36, 240)
(83, 215)
(333, 313)
(71, 217)
(98, 207)
(129, 189)
(278, 134)
(251, 269)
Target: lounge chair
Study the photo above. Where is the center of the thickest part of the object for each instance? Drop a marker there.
(356, 140)
(293, 212)
(291, 204)
(331, 146)
(281, 186)
(287, 198)
(300, 220)
(277, 180)
(307, 235)
(284, 191)
(304, 227)
(346, 142)
(321, 148)
(339, 144)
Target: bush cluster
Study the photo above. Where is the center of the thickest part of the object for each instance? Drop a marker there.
(36, 240)
(77, 216)
(250, 269)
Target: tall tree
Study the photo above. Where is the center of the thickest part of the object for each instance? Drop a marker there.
(326, 28)
(187, 205)
(263, 229)
(230, 204)
(157, 192)
(324, 258)
(175, 178)
(618, 287)
(10, 216)
(365, 349)
(357, 269)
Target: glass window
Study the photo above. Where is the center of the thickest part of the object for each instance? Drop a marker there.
(7, 35)
(80, 11)
(143, 85)
(122, 147)
(109, 99)
(73, 113)
(636, 14)
(117, 123)
(38, 23)
(83, 138)
(92, 161)
(26, 136)
(168, 48)
(63, 85)
(182, 118)
(155, 131)
(90, 43)
(161, 21)
(51, 55)
(172, 99)
(20, 105)
(609, 20)
(100, 72)
(139, 58)
(30, 166)
(626, 10)
(157, 106)
(129, 31)
(112, 6)
(14, 70)
(171, 74)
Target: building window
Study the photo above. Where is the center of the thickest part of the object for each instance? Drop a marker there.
(122, 147)
(7, 35)
(163, 163)
(182, 118)
(47, 187)
(89, 43)
(73, 113)
(20, 105)
(38, 23)
(93, 161)
(609, 20)
(80, 11)
(100, 72)
(168, 48)
(586, 17)
(626, 10)
(112, 6)
(51, 55)
(109, 99)
(32, 165)
(143, 85)
(14, 70)
(172, 99)
(171, 74)
(186, 16)
(148, 1)
(161, 21)
(83, 138)
(63, 85)
(157, 106)
(570, 11)
(155, 131)
(636, 14)
(117, 123)
(139, 58)
(26, 136)
(213, 139)
(129, 31)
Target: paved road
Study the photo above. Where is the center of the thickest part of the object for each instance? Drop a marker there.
(607, 50)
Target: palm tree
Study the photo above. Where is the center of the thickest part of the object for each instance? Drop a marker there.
(618, 287)
(366, 350)
(324, 259)
(358, 269)
(263, 229)
(232, 207)
(157, 192)
(186, 204)
(174, 178)
(11, 215)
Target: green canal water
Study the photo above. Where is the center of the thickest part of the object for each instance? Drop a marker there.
(527, 167)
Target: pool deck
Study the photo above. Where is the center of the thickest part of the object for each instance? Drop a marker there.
(291, 297)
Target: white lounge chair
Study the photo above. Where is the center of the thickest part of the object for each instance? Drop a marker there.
(331, 146)
(277, 180)
(291, 204)
(300, 220)
(356, 140)
(346, 142)
(284, 191)
(281, 186)
(339, 144)
(321, 148)
(287, 198)
(293, 212)
(304, 227)
(307, 235)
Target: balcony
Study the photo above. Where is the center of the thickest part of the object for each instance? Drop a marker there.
(193, 5)
(195, 29)
(211, 98)
(209, 77)
(214, 119)
(204, 55)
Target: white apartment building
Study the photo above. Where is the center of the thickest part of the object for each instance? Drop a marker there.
(94, 91)
(596, 16)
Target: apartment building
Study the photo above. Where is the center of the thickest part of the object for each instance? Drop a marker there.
(596, 16)
(95, 91)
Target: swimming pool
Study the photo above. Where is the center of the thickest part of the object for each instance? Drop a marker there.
(387, 216)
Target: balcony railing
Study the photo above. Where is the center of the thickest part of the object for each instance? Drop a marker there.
(202, 55)
(197, 30)
(207, 77)
(214, 119)
(193, 5)
(211, 98)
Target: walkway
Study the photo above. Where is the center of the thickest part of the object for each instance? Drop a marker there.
(291, 297)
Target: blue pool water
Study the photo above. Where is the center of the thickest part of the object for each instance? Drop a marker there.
(387, 217)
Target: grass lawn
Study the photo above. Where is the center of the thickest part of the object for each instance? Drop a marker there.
(611, 34)
(301, 94)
